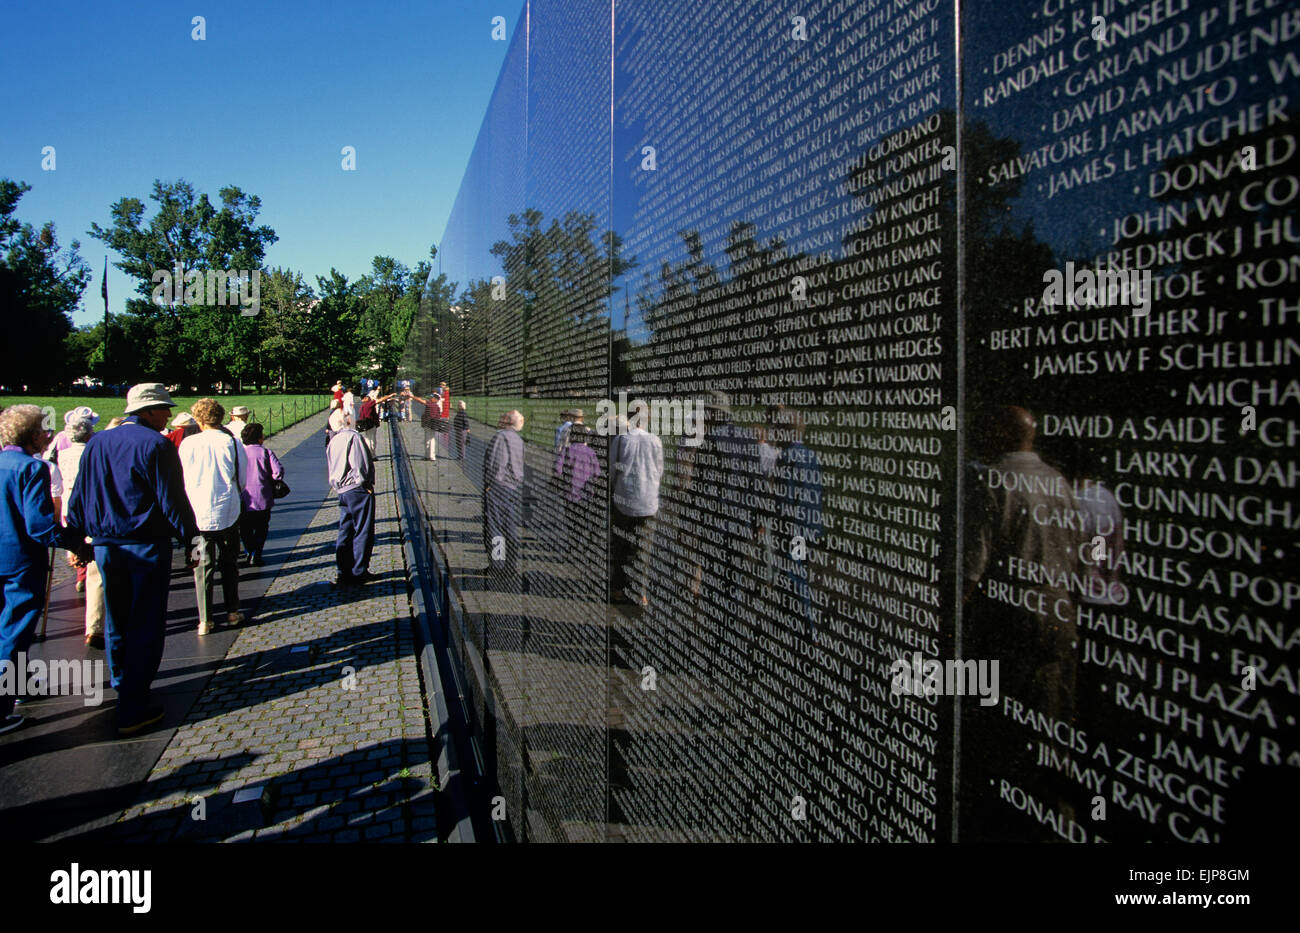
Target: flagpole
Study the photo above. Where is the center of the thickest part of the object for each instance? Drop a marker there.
(104, 292)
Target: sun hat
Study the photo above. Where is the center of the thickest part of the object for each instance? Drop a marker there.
(239, 411)
(147, 395)
(182, 419)
(81, 413)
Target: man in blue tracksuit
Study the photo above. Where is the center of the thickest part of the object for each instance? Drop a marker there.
(129, 498)
(27, 529)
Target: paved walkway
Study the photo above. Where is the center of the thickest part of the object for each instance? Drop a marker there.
(313, 727)
(306, 722)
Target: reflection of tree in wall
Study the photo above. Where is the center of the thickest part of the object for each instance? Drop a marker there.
(692, 291)
(559, 279)
(1003, 263)
(1003, 270)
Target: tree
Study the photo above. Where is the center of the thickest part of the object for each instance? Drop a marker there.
(334, 324)
(189, 342)
(286, 342)
(40, 285)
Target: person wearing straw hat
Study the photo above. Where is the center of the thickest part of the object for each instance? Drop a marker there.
(129, 499)
(61, 440)
(238, 421)
(183, 425)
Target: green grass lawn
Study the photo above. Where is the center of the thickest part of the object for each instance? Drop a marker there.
(273, 411)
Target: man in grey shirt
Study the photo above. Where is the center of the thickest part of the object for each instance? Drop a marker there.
(636, 466)
(352, 476)
(503, 479)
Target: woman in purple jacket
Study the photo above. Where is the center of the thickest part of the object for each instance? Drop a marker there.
(577, 467)
(264, 468)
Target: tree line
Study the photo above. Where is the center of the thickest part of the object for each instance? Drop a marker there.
(301, 337)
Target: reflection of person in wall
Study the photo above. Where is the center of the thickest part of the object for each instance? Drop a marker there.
(437, 409)
(798, 482)
(636, 467)
(561, 441)
(725, 478)
(461, 425)
(1102, 533)
(1020, 612)
(503, 480)
(768, 454)
(576, 468)
(561, 430)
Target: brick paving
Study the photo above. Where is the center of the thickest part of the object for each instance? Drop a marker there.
(313, 727)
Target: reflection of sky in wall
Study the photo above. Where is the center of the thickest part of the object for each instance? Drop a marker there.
(501, 177)
(723, 154)
(568, 107)
(1072, 221)
(492, 186)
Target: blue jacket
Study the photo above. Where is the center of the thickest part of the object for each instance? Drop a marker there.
(130, 488)
(27, 525)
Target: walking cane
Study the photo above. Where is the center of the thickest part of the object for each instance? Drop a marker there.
(49, 583)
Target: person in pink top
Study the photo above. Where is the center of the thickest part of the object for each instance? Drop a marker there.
(264, 469)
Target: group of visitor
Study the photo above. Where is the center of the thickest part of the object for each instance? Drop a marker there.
(117, 500)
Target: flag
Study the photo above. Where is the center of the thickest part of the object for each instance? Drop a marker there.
(104, 288)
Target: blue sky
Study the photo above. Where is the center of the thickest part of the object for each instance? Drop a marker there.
(266, 102)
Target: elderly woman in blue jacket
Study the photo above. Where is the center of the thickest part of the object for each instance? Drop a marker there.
(28, 529)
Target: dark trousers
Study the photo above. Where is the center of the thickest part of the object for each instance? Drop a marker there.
(501, 526)
(253, 528)
(218, 550)
(356, 532)
(625, 548)
(136, 580)
(22, 597)
(460, 442)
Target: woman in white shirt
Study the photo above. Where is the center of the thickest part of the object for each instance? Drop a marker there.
(214, 464)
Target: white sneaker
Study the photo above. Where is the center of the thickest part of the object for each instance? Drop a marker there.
(205, 628)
